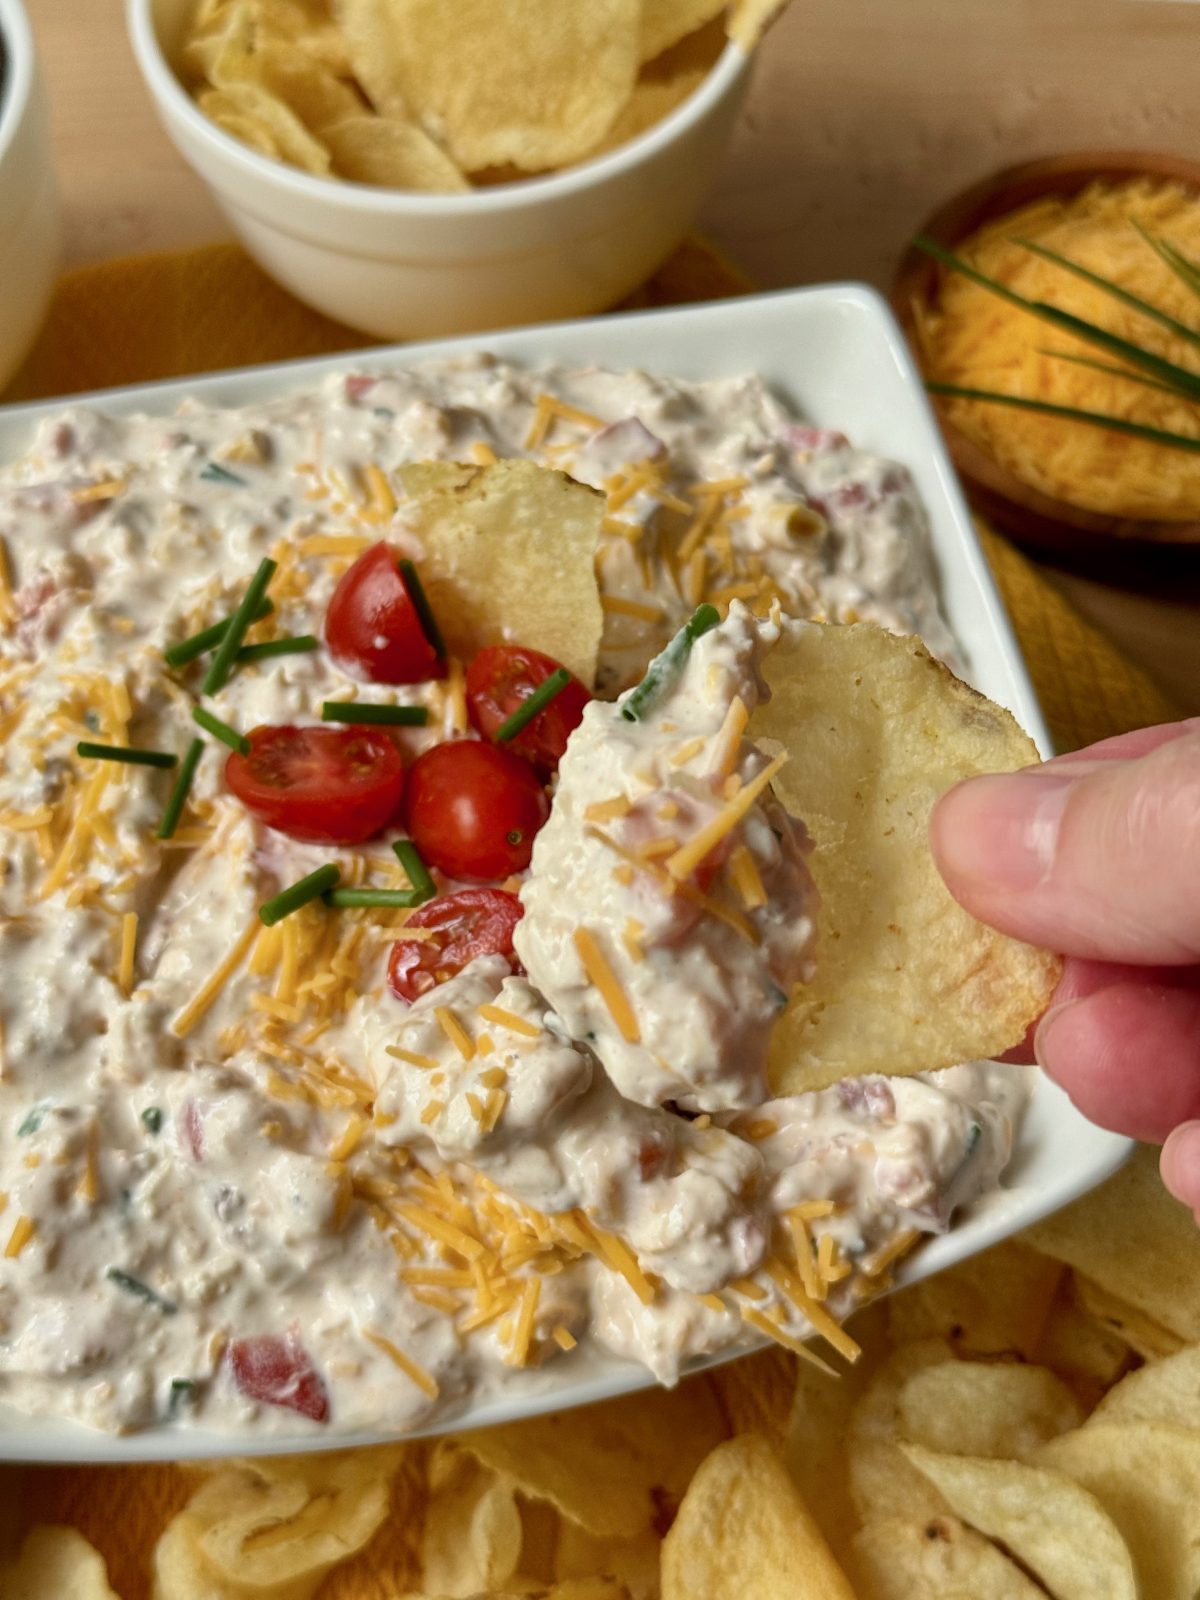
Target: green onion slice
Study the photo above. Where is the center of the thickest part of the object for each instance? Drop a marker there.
(152, 1119)
(536, 702)
(199, 644)
(294, 645)
(143, 1291)
(299, 894)
(422, 607)
(390, 716)
(664, 670)
(179, 794)
(221, 730)
(128, 754)
(221, 664)
(216, 473)
(375, 897)
(417, 872)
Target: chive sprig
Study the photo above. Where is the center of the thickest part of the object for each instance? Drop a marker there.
(129, 754)
(223, 661)
(386, 716)
(534, 704)
(309, 888)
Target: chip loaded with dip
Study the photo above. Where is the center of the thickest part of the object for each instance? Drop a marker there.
(501, 995)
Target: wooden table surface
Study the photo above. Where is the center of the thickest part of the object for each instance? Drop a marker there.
(863, 115)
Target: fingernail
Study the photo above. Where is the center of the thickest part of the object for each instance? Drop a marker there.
(1179, 1163)
(1001, 831)
(1042, 1050)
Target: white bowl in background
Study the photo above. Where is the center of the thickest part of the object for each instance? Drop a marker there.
(836, 356)
(399, 264)
(30, 217)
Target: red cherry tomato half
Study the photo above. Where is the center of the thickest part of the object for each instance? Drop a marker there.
(373, 628)
(473, 809)
(321, 785)
(473, 922)
(278, 1370)
(504, 675)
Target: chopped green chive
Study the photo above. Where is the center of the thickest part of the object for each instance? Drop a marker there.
(221, 664)
(299, 894)
(221, 730)
(390, 716)
(33, 1119)
(422, 607)
(664, 670)
(152, 1118)
(537, 702)
(143, 1291)
(409, 858)
(296, 645)
(182, 1393)
(199, 644)
(122, 752)
(375, 897)
(216, 473)
(1099, 419)
(179, 794)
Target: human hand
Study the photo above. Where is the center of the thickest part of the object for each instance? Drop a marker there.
(1097, 855)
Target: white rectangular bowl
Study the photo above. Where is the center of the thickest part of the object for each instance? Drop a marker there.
(836, 355)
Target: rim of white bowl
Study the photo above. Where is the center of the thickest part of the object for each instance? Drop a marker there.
(17, 38)
(167, 89)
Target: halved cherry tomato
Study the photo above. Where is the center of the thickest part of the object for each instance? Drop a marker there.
(373, 628)
(473, 922)
(279, 1371)
(322, 785)
(473, 809)
(504, 675)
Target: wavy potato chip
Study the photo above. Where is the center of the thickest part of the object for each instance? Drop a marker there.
(743, 1530)
(472, 1535)
(391, 152)
(484, 530)
(55, 1562)
(526, 82)
(934, 1559)
(906, 981)
(279, 130)
(985, 1408)
(1055, 1528)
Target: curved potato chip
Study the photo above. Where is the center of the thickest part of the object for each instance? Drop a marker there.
(992, 1304)
(1140, 1333)
(1055, 1528)
(985, 1408)
(1146, 1475)
(472, 1535)
(1086, 1353)
(744, 1530)
(652, 99)
(615, 1468)
(937, 1559)
(633, 1563)
(882, 1483)
(56, 1562)
(483, 531)
(665, 22)
(906, 981)
(391, 152)
(250, 103)
(750, 19)
(526, 82)
(1165, 1391)
(1131, 1238)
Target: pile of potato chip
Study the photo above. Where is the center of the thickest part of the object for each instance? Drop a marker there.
(1023, 1426)
(424, 95)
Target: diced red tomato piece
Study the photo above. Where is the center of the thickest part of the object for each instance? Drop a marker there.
(191, 1129)
(278, 1370)
(473, 809)
(471, 923)
(499, 679)
(373, 627)
(321, 785)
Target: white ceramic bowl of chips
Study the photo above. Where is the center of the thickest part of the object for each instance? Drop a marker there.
(31, 237)
(397, 264)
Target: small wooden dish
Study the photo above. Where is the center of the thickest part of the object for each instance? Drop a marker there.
(1028, 515)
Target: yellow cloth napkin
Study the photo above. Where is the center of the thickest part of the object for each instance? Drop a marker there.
(162, 316)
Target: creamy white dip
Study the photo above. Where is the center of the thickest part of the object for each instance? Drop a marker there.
(241, 1184)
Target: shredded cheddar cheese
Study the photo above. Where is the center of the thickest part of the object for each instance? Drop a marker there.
(23, 1231)
(689, 856)
(423, 1380)
(510, 1020)
(602, 976)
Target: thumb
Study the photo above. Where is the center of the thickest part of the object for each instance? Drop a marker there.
(1096, 858)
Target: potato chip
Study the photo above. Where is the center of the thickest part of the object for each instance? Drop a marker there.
(882, 1482)
(1084, 1352)
(282, 132)
(306, 23)
(1131, 1238)
(991, 1304)
(665, 22)
(1142, 1334)
(906, 980)
(652, 100)
(614, 1469)
(291, 76)
(472, 1535)
(937, 1559)
(744, 1530)
(633, 1563)
(1165, 1391)
(985, 1408)
(391, 152)
(1054, 1528)
(750, 19)
(484, 530)
(524, 82)
(53, 1564)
